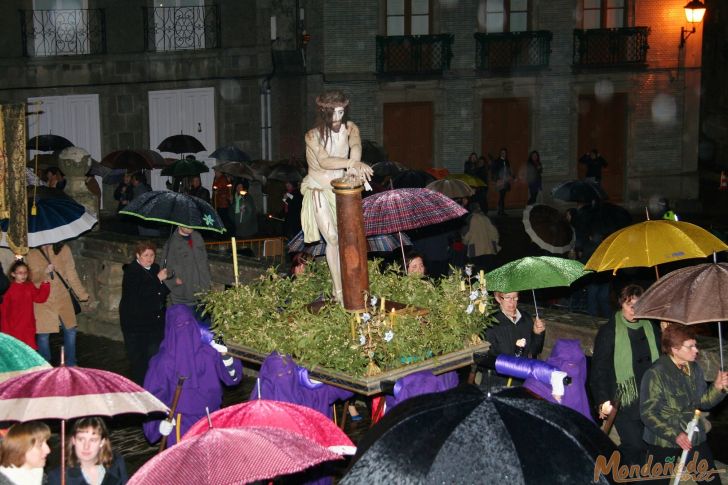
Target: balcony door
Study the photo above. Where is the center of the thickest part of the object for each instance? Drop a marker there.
(179, 24)
(61, 27)
(603, 125)
(506, 125)
(505, 16)
(408, 17)
(604, 14)
(183, 111)
(408, 129)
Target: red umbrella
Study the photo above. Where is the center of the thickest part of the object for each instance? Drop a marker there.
(291, 417)
(404, 209)
(71, 392)
(233, 455)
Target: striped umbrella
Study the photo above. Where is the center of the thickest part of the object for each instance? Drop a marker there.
(58, 217)
(18, 358)
(377, 243)
(71, 392)
(404, 209)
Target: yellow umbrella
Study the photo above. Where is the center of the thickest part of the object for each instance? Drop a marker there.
(651, 243)
(471, 180)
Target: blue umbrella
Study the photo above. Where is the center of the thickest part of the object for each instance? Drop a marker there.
(58, 217)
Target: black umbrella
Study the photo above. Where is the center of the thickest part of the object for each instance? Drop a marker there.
(48, 143)
(186, 167)
(388, 169)
(134, 159)
(230, 153)
(174, 208)
(285, 173)
(236, 169)
(579, 191)
(464, 436)
(412, 179)
(181, 144)
(605, 218)
(372, 153)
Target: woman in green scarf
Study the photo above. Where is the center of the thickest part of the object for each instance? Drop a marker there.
(624, 349)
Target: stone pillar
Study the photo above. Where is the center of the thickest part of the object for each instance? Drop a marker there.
(352, 243)
(74, 162)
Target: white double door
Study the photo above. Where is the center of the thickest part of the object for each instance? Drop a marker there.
(183, 111)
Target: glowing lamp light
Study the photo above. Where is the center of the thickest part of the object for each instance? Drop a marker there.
(694, 12)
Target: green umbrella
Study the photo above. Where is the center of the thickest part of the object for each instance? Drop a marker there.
(18, 358)
(186, 167)
(534, 272)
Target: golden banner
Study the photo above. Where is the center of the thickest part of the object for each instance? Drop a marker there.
(14, 201)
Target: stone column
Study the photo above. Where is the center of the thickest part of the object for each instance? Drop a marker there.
(74, 162)
(352, 243)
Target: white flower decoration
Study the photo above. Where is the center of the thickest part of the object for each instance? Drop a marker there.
(469, 270)
(474, 295)
(362, 339)
(388, 336)
(470, 309)
(373, 300)
(365, 317)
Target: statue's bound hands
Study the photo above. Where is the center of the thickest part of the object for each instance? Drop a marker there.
(361, 169)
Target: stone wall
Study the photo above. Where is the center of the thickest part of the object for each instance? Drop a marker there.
(99, 259)
(662, 116)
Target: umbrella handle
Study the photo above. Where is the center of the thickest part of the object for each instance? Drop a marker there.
(533, 292)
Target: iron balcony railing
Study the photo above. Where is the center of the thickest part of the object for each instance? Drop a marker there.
(626, 46)
(63, 32)
(414, 54)
(511, 51)
(181, 28)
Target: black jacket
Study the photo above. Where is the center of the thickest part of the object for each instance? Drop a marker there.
(115, 474)
(502, 336)
(143, 299)
(602, 380)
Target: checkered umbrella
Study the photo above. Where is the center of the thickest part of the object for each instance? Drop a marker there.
(377, 243)
(404, 209)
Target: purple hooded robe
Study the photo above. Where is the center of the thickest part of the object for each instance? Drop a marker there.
(182, 353)
(281, 379)
(568, 357)
(422, 382)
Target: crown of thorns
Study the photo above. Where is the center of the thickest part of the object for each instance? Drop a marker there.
(332, 104)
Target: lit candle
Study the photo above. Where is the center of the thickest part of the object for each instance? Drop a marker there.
(235, 259)
(384, 306)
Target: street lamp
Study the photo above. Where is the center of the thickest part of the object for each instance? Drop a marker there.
(694, 11)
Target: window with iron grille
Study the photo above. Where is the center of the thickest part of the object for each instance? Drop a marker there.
(506, 16)
(172, 25)
(61, 28)
(408, 17)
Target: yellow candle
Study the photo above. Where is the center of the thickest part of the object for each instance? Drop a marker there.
(482, 277)
(353, 327)
(393, 316)
(235, 260)
(384, 306)
(462, 285)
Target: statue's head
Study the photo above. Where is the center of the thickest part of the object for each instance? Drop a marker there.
(74, 161)
(333, 108)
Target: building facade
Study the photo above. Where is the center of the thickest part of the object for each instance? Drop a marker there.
(430, 80)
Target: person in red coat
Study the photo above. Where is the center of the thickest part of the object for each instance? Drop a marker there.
(16, 311)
